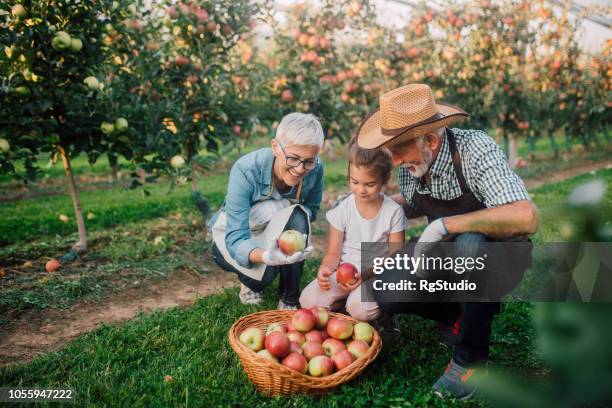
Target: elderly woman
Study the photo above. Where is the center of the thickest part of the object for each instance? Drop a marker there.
(269, 191)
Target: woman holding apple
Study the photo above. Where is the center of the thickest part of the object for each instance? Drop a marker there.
(269, 191)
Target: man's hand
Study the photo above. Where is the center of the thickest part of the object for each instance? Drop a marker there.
(323, 277)
(273, 256)
(434, 231)
(350, 286)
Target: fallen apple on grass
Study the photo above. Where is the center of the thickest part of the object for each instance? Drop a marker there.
(52, 265)
(291, 241)
(253, 338)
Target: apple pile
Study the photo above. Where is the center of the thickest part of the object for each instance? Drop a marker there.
(312, 342)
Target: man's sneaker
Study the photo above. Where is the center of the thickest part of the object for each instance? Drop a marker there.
(447, 335)
(388, 327)
(455, 382)
(286, 306)
(248, 296)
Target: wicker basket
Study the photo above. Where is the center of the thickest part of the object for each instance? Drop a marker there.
(272, 378)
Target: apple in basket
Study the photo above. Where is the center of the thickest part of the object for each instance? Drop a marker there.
(345, 273)
(321, 315)
(291, 241)
(333, 346)
(339, 329)
(294, 347)
(312, 349)
(296, 361)
(363, 331)
(342, 359)
(266, 354)
(320, 366)
(303, 320)
(253, 338)
(279, 327)
(278, 344)
(314, 335)
(297, 337)
(357, 348)
(324, 334)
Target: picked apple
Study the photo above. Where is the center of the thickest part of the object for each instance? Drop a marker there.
(296, 336)
(322, 316)
(296, 362)
(363, 331)
(303, 320)
(342, 359)
(320, 366)
(312, 349)
(346, 273)
(276, 327)
(266, 354)
(314, 335)
(339, 329)
(253, 338)
(332, 346)
(358, 348)
(278, 344)
(291, 241)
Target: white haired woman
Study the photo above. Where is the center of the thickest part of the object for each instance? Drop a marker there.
(271, 190)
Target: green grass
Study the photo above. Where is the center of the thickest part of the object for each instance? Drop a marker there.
(125, 365)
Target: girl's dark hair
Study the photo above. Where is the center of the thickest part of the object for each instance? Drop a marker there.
(377, 161)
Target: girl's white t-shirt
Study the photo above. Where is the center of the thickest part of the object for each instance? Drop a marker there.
(346, 218)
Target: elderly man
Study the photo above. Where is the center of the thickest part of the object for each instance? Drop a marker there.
(461, 181)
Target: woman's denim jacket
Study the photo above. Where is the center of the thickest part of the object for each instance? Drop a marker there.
(250, 181)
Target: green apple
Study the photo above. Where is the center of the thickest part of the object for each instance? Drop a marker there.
(121, 124)
(61, 41)
(5, 146)
(107, 128)
(92, 82)
(22, 90)
(19, 11)
(363, 331)
(76, 44)
(177, 161)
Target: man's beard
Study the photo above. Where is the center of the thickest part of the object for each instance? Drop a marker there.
(421, 168)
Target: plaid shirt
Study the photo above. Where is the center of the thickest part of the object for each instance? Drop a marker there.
(484, 166)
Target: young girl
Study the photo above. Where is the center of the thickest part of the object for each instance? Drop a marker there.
(366, 215)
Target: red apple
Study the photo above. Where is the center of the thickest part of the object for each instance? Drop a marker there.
(322, 316)
(266, 354)
(342, 359)
(333, 346)
(253, 338)
(320, 366)
(314, 335)
(324, 334)
(358, 348)
(312, 349)
(303, 320)
(291, 241)
(295, 348)
(287, 95)
(339, 329)
(346, 273)
(297, 337)
(52, 265)
(296, 362)
(278, 344)
(181, 60)
(278, 327)
(363, 331)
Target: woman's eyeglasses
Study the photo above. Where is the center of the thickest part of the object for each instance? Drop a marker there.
(292, 162)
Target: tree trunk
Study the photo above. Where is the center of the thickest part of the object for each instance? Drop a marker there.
(112, 161)
(531, 143)
(553, 144)
(81, 245)
(506, 146)
(568, 140)
(605, 132)
(512, 150)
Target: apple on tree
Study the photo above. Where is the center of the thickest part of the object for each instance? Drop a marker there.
(253, 338)
(92, 83)
(107, 128)
(121, 124)
(5, 146)
(61, 41)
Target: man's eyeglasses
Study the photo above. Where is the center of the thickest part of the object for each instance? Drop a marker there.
(292, 162)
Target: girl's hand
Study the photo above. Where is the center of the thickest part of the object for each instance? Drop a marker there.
(350, 286)
(323, 277)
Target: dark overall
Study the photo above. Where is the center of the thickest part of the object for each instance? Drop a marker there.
(471, 321)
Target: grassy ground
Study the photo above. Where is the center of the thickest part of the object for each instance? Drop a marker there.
(125, 365)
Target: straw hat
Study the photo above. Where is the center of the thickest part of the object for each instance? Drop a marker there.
(405, 113)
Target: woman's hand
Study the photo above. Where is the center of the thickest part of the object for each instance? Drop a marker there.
(349, 287)
(323, 277)
(273, 256)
